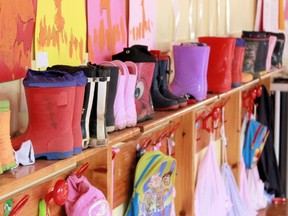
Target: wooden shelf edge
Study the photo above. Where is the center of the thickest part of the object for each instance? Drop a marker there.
(22, 177)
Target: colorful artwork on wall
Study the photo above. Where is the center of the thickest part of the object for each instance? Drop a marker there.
(107, 29)
(61, 31)
(17, 22)
(142, 22)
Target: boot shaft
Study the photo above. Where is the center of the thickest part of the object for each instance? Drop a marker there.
(190, 62)
(7, 160)
(219, 77)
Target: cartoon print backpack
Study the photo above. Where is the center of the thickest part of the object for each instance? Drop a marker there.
(153, 185)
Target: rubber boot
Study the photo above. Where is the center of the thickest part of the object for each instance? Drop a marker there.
(160, 102)
(190, 79)
(7, 160)
(278, 50)
(50, 100)
(145, 63)
(219, 76)
(237, 64)
(271, 47)
(97, 125)
(255, 52)
(130, 107)
(119, 104)
(165, 68)
(88, 94)
(111, 94)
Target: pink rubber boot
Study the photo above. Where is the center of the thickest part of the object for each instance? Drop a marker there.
(131, 114)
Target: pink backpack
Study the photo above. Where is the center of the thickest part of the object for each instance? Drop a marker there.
(84, 199)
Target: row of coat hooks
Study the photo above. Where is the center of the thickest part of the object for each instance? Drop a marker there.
(157, 143)
(214, 115)
(248, 99)
(59, 194)
(248, 102)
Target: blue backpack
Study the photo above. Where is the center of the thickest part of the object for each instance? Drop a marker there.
(153, 185)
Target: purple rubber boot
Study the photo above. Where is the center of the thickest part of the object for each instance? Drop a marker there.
(190, 62)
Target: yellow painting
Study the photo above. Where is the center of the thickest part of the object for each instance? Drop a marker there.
(61, 31)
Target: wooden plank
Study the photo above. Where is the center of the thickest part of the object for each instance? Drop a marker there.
(184, 154)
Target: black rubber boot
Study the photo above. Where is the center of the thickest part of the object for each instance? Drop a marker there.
(111, 93)
(164, 69)
(159, 101)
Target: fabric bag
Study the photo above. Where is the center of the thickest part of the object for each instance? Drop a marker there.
(210, 193)
(239, 207)
(85, 199)
(153, 185)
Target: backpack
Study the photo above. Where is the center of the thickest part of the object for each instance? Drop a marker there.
(153, 185)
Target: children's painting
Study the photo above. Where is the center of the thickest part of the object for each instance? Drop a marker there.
(17, 22)
(107, 29)
(142, 22)
(61, 31)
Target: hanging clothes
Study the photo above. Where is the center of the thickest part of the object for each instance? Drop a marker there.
(267, 165)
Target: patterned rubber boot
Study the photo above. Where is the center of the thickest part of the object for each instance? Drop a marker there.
(145, 62)
(7, 160)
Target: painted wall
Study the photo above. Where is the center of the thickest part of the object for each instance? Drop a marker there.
(190, 19)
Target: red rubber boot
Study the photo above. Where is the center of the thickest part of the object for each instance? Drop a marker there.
(50, 101)
(219, 77)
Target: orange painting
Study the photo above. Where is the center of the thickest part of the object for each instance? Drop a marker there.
(107, 29)
(142, 22)
(61, 31)
(17, 22)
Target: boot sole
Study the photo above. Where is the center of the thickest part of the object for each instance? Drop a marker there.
(167, 108)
